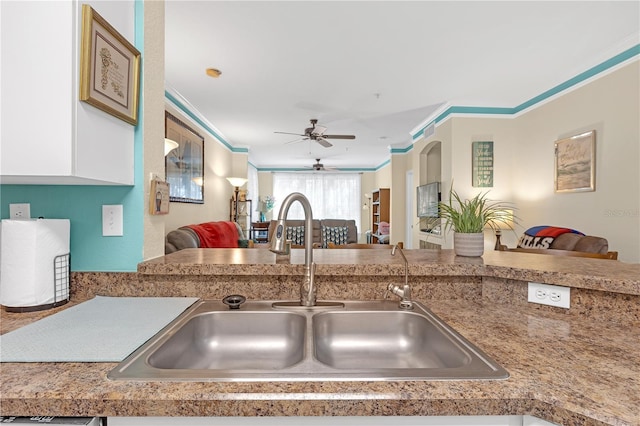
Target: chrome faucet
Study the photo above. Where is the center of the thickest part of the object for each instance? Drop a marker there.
(405, 292)
(278, 245)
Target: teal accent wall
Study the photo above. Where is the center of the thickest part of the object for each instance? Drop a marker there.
(82, 205)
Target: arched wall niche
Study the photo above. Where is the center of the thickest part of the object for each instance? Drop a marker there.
(430, 171)
(431, 163)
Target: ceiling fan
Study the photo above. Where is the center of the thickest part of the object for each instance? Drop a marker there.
(319, 167)
(316, 133)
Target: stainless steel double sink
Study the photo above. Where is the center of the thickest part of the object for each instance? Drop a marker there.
(370, 340)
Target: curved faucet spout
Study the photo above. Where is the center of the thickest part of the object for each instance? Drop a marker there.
(278, 244)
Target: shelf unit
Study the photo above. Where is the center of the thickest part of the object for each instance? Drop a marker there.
(245, 215)
(380, 203)
(259, 232)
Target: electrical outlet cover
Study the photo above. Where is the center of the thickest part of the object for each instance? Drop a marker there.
(552, 295)
(20, 211)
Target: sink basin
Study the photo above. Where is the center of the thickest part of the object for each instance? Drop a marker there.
(400, 340)
(269, 341)
(226, 340)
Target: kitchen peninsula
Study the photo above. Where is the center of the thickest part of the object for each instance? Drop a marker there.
(578, 366)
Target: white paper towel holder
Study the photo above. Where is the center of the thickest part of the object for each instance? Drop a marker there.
(61, 272)
(34, 264)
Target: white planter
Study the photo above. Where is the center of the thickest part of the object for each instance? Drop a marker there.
(469, 245)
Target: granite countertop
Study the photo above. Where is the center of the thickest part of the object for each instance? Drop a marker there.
(562, 369)
(595, 274)
(566, 369)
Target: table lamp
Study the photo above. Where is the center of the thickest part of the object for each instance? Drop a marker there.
(504, 221)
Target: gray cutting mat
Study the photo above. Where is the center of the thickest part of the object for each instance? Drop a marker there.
(103, 329)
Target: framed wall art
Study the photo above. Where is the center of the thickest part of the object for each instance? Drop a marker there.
(158, 197)
(109, 68)
(184, 165)
(575, 168)
(482, 164)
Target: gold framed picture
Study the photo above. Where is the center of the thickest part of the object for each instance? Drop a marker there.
(109, 68)
(575, 168)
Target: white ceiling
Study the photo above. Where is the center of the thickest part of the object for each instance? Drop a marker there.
(376, 69)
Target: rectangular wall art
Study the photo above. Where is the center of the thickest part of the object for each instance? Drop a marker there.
(184, 165)
(482, 164)
(109, 68)
(575, 167)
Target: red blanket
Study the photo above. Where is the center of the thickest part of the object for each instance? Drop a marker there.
(217, 234)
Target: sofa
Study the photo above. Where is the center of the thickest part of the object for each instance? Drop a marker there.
(223, 234)
(338, 231)
(562, 241)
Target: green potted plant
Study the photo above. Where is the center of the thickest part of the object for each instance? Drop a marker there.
(468, 218)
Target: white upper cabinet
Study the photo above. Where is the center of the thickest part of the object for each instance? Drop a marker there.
(47, 136)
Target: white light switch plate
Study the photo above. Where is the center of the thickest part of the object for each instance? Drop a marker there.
(112, 220)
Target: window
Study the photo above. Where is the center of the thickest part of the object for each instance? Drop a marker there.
(252, 189)
(331, 195)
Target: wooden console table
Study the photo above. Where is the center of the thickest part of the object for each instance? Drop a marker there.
(259, 232)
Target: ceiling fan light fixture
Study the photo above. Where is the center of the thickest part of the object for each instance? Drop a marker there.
(214, 72)
(316, 133)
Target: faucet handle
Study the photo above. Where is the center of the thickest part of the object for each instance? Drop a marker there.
(403, 293)
(389, 289)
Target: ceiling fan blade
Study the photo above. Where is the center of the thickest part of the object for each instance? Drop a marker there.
(287, 133)
(296, 140)
(318, 130)
(339, 136)
(324, 142)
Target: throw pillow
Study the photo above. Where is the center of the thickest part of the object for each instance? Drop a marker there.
(296, 235)
(541, 237)
(334, 234)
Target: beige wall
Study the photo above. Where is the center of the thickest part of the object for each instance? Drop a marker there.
(611, 107)
(524, 161)
(443, 135)
(383, 176)
(153, 122)
(239, 164)
(504, 136)
(220, 163)
(400, 164)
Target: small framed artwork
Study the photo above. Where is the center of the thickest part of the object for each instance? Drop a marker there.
(158, 197)
(482, 164)
(575, 168)
(184, 165)
(109, 68)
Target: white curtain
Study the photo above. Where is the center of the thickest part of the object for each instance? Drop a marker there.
(331, 195)
(252, 190)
